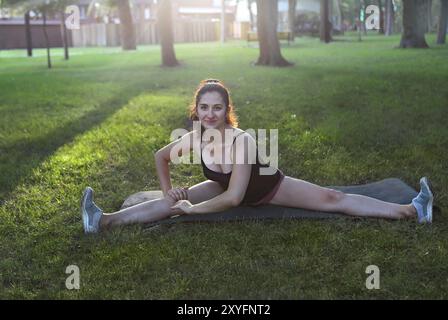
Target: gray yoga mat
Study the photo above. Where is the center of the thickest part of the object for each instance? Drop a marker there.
(390, 190)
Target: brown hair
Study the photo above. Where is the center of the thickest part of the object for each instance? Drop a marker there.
(210, 85)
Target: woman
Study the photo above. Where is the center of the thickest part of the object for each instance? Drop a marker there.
(236, 183)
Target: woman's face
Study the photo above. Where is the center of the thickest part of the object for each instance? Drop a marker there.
(211, 110)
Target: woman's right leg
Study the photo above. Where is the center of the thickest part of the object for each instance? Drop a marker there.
(153, 210)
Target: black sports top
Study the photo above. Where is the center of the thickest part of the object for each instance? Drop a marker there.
(259, 185)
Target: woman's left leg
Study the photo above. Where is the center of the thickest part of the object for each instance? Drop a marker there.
(302, 194)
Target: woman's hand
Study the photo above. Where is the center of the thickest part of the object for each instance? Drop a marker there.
(177, 194)
(184, 205)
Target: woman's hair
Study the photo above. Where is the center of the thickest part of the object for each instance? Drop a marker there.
(214, 85)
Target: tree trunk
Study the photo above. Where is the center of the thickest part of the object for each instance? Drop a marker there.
(64, 36)
(363, 22)
(29, 41)
(267, 19)
(359, 21)
(413, 35)
(428, 16)
(223, 21)
(47, 43)
(389, 18)
(341, 12)
(443, 18)
(292, 16)
(164, 22)
(249, 7)
(127, 29)
(325, 35)
(380, 6)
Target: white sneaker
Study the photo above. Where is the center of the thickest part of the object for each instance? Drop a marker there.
(91, 213)
(423, 202)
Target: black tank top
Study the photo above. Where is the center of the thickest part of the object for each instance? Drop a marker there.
(259, 185)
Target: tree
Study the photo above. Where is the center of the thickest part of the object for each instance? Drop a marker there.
(127, 30)
(390, 18)
(54, 7)
(363, 8)
(267, 19)
(251, 14)
(23, 7)
(223, 21)
(28, 37)
(341, 12)
(414, 22)
(443, 17)
(60, 8)
(428, 16)
(325, 26)
(292, 4)
(64, 35)
(380, 6)
(45, 10)
(349, 10)
(165, 25)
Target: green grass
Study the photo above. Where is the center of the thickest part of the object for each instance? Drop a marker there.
(348, 112)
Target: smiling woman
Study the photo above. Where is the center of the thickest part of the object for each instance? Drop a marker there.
(232, 183)
(221, 97)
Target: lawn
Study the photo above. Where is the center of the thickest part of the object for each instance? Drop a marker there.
(348, 112)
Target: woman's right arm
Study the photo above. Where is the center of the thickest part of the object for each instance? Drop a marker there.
(163, 158)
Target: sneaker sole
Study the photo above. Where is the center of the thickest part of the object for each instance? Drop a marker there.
(85, 216)
(431, 198)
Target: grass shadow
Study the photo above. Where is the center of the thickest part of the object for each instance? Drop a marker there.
(23, 156)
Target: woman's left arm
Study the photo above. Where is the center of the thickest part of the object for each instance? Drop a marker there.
(239, 180)
(230, 198)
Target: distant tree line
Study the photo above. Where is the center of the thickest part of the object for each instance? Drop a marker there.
(415, 14)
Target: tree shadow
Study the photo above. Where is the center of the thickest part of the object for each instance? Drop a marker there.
(23, 156)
